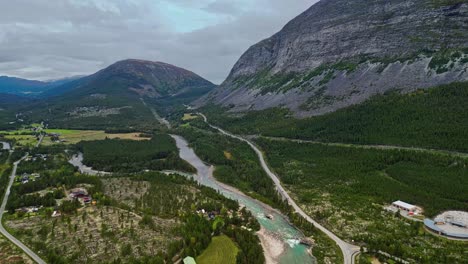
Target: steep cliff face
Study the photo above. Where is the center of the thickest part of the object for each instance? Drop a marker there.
(341, 52)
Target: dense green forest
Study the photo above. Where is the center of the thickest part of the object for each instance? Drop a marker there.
(5, 118)
(345, 188)
(434, 118)
(116, 155)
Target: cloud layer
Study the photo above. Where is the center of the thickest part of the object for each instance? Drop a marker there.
(44, 39)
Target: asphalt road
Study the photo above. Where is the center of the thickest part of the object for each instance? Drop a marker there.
(349, 251)
(2, 211)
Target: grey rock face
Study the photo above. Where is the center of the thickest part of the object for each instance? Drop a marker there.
(341, 52)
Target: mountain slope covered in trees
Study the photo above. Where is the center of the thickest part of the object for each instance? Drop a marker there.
(115, 97)
(434, 118)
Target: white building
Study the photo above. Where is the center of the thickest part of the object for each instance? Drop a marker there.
(405, 206)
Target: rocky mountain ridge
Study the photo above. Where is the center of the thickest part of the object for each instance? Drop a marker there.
(340, 53)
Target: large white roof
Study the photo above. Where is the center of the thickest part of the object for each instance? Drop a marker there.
(404, 205)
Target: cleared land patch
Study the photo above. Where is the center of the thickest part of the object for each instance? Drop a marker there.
(125, 190)
(228, 155)
(222, 250)
(95, 235)
(187, 117)
(9, 253)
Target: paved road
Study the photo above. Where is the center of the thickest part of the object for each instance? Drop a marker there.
(157, 116)
(349, 251)
(2, 211)
(40, 140)
(77, 161)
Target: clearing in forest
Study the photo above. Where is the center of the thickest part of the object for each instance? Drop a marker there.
(221, 250)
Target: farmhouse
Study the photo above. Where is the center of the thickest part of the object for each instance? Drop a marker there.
(405, 206)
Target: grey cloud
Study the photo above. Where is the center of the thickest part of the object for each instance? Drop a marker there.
(44, 39)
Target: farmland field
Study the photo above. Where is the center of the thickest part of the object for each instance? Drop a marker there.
(23, 140)
(220, 251)
(75, 136)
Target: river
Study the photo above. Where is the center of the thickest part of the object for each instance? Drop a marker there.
(77, 161)
(279, 238)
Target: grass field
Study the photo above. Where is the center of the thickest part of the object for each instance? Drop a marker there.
(221, 250)
(16, 132)
(189, 117)
(23, 140)
(75, 136)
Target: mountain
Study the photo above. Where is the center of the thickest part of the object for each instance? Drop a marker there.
(30, 88)
(7, 100)
(143, 79)
(18, 86)
(121, 95)
(341, 52)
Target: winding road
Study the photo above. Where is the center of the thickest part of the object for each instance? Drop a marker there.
(2, 211)
(349, 251)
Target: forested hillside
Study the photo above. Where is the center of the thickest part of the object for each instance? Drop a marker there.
(435, 118)
(346, 189)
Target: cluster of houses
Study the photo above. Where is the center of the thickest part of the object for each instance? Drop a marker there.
(82, 196)
(210, 215)
(36, 157)
(30, 209)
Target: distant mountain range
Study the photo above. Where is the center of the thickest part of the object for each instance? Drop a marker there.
(121, 95)
(340, 52)
(336, 54)
(30, 88)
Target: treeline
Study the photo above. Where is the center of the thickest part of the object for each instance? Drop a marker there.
(436, 182)
(434, 118)
(116, 155)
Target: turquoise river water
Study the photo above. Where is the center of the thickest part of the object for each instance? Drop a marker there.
(279, 228)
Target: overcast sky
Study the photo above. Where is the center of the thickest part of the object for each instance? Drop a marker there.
(50, 39)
